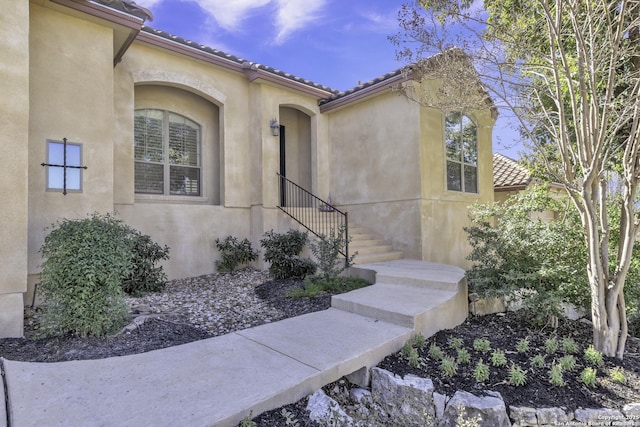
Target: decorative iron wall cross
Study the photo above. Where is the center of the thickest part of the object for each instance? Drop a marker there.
(64, 166)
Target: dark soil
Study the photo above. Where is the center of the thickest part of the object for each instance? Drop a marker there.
(503, 331)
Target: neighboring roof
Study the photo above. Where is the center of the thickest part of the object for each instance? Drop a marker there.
(128, 6)
(508, 174)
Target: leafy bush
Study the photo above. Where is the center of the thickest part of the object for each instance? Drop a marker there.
(233, 253)
(85, 263)
(282, 251)
(513, 249)
(146, 276)
(589, 377)
(327, 251)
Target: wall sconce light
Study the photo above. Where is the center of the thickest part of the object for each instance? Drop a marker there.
(275, 127)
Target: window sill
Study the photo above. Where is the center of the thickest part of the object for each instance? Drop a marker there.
(153, 198)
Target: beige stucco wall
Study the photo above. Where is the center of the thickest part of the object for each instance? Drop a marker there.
(388, 172)
(235, 115)
(71, 95)
(14, 122)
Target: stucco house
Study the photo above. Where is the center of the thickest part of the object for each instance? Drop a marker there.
(185, 142)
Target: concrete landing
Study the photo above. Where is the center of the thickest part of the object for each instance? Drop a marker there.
(219, 381)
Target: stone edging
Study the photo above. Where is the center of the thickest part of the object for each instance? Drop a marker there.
(413, 401)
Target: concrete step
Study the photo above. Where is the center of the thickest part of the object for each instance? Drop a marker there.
(378, 257)
(368, 242)
(365, 250)
(364, 236)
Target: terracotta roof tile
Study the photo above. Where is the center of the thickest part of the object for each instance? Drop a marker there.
(508, 173)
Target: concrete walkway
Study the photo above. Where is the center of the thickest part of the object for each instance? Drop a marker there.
(219, 381)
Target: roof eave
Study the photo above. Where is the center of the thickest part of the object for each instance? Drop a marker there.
(182, 49)
(358, 95)
(103, 12)
(258, 74)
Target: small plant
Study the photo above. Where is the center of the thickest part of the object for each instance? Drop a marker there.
(551, 345)
(481, 372)
(455, 343)
(418, 341)
(517, 376)
(448, 366)
(523, 345)
(593, 357)
(569, 346)
(555, 375)
(588, 376)
(410, 353)
(282, 251)
(464, 358)
(498, 358)
(568, 363)
(538, 361)
(327, 251)
(435, 352)
(617, 375)
(310, 289)
(248, 421)
(289, 418)
(482, 345)
(233, 253)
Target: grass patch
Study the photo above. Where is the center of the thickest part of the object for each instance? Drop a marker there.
(336, 285)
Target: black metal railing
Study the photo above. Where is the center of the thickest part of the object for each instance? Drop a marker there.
(316, 215)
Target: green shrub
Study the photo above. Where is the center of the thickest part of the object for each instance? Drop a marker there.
(498, 358)
(482, 345)
(282, 251)
(593, 357)
(464, 358)
(85, 262)
(568, 363)
(233, 253)
(523, 345)
(538, 361)
(146, 275)
(517, 376)
(569, 346)
(327, 251)
(589, 377)
(617, 375)
(551, 345)
(448, 366)
(555, 375)
(481, 372)
(435, 352)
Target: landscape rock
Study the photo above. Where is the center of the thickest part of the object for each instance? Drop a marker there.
(407, 401)
(325, 410)
(490, 410)
(439, 400)
(552, 416)
(485, 306)
(632, 410)
(602, 416)
(523, 416)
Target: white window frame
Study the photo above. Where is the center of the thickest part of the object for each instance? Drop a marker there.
(461, 161)
(167, 193)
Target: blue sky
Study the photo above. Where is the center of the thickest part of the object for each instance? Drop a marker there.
(337, 43)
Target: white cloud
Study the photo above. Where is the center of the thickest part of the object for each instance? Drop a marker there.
(229, 14)
(147, 3)
(293, 15)
(381, 22)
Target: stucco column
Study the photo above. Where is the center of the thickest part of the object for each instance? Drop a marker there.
(14, 122)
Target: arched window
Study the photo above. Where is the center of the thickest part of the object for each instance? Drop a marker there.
(167, 153)
(461, 146)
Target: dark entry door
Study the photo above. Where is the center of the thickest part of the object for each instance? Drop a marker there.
(283, 167)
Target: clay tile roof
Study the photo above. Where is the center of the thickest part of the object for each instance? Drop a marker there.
(241, 62)
(363, 86)
(508, 174)
(128, 6)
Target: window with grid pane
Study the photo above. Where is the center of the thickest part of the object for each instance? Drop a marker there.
(461, 146)
(167, 153)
